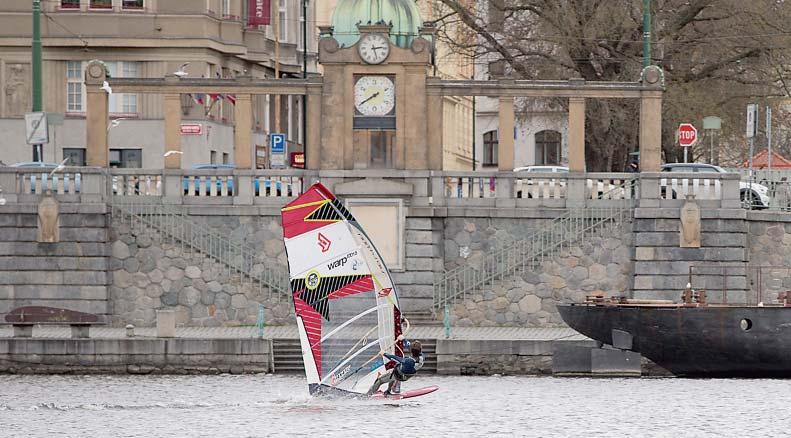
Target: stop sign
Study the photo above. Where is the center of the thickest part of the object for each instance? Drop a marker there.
(687, 134)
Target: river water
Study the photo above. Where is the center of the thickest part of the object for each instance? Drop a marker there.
(267, 405)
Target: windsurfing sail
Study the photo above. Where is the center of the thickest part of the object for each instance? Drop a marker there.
(345, 303)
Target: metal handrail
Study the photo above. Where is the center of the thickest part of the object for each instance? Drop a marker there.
(173, 224)
(564, 231)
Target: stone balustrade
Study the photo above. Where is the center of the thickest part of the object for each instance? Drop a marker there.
(433, 189)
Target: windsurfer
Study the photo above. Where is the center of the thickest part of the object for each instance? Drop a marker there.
(405, 368)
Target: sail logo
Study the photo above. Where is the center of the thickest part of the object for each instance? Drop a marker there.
(324, 243)
(384, 292)
(312, 280)
(338, 378)
(341, 261)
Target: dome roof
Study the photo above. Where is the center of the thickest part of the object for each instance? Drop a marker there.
(402, 14)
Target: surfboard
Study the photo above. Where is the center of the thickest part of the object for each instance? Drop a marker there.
(407, 394)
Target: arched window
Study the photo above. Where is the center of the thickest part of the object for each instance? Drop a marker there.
(490, 146)
(548, 148)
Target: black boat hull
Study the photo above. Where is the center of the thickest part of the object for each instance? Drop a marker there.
(696, 341)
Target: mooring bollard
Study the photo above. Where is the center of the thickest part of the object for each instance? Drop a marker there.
(166, 323)
(130, 331)
(446, 321)
(260, 321)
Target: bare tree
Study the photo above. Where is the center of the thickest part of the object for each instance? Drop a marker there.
(717, 55)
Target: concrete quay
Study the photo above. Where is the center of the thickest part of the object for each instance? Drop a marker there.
(203, 350)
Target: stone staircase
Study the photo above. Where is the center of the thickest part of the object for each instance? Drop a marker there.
(288, 356)
(568, 230)
(70, 274)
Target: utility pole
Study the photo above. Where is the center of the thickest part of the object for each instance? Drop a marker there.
(305, 76)
(38, 149)
(277, 65)
(646, 33)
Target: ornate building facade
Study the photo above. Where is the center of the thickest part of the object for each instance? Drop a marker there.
(150, 39)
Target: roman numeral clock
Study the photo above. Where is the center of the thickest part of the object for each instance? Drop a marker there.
(374, 99)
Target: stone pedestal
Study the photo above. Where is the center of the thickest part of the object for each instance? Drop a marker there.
(166, 324)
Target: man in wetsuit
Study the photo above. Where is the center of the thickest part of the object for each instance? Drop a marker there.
(406, 368)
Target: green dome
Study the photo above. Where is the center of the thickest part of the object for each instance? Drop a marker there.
(402, 14)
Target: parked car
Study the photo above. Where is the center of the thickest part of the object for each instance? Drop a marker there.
(543, 169)
(753, 195)
(46, 169)
(206, 188)
(256, 183)
(603, 189)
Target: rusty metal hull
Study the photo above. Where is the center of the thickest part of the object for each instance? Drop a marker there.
(695, 341)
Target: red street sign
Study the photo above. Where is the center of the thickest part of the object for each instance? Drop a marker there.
(191, 129)
(687, 134)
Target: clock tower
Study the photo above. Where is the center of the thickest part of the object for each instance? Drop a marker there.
(376, 59)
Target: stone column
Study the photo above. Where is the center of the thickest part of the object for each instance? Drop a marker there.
(577, 134)
(172, 111)
(505, 150)
(434, 128)
(313, 134)
(96, 115)
(650, 131)
(242, 134)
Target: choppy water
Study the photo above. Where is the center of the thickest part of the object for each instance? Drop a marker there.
(258, 406)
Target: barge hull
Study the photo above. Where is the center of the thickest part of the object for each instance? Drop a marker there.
(715, 341)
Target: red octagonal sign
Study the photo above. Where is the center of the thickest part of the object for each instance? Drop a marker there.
(687, 134)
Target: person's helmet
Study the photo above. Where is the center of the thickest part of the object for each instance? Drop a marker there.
(416, 348)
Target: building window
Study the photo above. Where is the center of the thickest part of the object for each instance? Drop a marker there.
(118, 103)
(126, 158)
(70, 4)
(101, 4)
(76, 156)
(225, 158)
(283, 17)
(226, 8)
(74, 94)
(132, 4)
(213, 157)
(548, 148)
(302, 30)
(491, 144)
(123, 103)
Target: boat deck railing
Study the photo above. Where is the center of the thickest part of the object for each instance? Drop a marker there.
(741, 283)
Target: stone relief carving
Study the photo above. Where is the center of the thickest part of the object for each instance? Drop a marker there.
(690, 224)
(17, 89)
(48, 220)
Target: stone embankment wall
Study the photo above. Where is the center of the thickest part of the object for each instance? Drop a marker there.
(135, 356)
(149, 274)
(770, 246)
(662, 268)
(599, 263)
(71, 273)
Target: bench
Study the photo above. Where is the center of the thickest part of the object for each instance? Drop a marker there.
(24, 318)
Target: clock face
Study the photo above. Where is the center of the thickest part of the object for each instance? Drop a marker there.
(374, 48)
(374, 95)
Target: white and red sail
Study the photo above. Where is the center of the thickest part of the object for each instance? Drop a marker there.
(344, 300)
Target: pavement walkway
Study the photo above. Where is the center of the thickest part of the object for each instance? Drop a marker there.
(290, 332)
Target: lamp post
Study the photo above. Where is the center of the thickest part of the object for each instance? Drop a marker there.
(38, 149)
(305, 76)
(646, 33)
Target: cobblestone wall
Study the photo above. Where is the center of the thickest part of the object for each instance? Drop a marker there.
(150, 275)
(602, 263)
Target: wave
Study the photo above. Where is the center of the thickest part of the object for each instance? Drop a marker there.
(110, 406)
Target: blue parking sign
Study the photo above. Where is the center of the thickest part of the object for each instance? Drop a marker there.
(277, 146)
(277, 142)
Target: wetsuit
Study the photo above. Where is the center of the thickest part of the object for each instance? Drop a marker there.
(406, 368)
